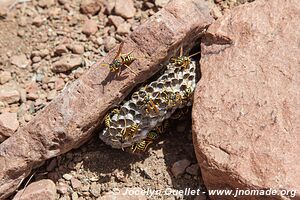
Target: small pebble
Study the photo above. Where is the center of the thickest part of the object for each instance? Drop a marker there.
(67, 176)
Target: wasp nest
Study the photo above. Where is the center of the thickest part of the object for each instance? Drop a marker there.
(150, 106)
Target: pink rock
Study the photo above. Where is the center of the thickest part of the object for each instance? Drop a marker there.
(60, 50)
(124, 28)
(63, 188)
(51, 166)
(59, 84)
(193, 169)
(71, 118)
(5, 76)
(246, 113)
(8, 124)
(3, 12)
(66, 63)
(109, 43)
(179, 167)
(76, 48)
(115, 20)
(9, 95)
(90, 7)
(32, 91)
(161, 3)
(40, 190)
(75, 183)
(20, 61)
(125, 8)
(109, 6)
(37, 21)
(90, 27)
(46, 3)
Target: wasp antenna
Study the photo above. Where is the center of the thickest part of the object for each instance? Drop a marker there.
(194, 54)
(119, 50)
(130, 69)
(181, 51)
(129, 52)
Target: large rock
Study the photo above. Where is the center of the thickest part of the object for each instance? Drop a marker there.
(67, 63)
(90, 7)
(9, 95)
(8, 124)
(20, 61)
(41, 190)
(246, 114)
(125, 8)
(70, 119)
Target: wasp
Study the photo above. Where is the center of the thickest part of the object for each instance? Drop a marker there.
(152, 135)
(163, 127)
(143, 145)
(129, 133)
(171, 98)
(183, 61)
(121, 60)
(176, 98)
(107, 118)
(188, 92)
(179, 113)
(150, 104)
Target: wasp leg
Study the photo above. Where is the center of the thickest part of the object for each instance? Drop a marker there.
(130, 69)
(127, 54)
(194, 54)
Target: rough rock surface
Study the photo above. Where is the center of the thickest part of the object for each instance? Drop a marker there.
(9, 95)
(8, 124)
(90, 27)
(90, 7)
(246, 114)
(70, 119)
(179, 167)
(20, 61)
(41, 190)
(67, 63)
(125, 8)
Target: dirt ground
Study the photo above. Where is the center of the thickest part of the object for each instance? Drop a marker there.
(34, 35)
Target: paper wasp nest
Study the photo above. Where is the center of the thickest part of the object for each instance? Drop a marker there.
(150, 106)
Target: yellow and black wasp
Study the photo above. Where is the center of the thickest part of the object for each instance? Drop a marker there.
(143, 145)
(187, 94)
(131, 131)
(171, 98)
(179, 113)
(163, 127)
(121, 60)
(151, 136)
(182, 61)
(107, 118)
(149, 104)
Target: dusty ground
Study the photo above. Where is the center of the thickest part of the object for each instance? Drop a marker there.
(36, 34)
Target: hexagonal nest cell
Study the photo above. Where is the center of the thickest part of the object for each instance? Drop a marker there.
(150, 105)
